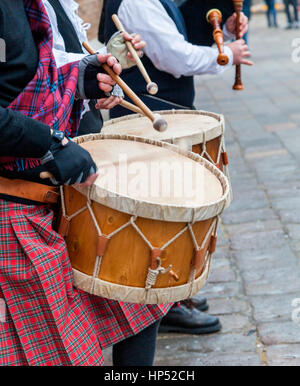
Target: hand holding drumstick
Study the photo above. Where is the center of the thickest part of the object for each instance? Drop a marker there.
(152, 87)
(159, 123)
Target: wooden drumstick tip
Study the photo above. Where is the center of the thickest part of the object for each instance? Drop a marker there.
(152, 88)
(159, 123)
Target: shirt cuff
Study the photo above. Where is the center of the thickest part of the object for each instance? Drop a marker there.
(229, 53)
(227, 35)
(220, 69)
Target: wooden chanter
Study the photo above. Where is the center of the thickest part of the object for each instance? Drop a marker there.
(214, 17)
(238, 7)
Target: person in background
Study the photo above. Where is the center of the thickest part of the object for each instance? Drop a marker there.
(292, 23)
(271, 13)
(247, 12)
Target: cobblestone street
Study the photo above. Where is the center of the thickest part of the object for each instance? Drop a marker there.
(255, 274)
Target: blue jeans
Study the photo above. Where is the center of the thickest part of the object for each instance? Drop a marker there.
(271, 13)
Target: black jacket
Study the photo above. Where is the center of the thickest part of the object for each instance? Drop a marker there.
(18, 135)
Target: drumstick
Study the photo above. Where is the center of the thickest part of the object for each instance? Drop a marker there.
(238, 6)
(130, 106)
(214, 17)
(159, 123)
(152, 87)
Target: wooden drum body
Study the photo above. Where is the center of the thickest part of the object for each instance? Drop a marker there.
(132, 246)
(198, 131)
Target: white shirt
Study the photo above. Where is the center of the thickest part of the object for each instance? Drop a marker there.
(166, 47)
(59, 50)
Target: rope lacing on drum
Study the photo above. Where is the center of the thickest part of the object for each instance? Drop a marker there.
(212, 233)
(221, 153)
(66, 219)
(153, 272)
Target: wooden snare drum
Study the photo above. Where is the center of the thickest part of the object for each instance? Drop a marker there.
(136, 235)
(198, 131)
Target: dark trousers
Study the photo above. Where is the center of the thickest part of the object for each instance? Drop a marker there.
(287, 4)
(271, 13)
(138, 350)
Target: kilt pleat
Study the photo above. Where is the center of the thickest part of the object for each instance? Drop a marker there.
(49, 322)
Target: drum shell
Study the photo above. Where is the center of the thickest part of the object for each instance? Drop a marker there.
(208, 143)
(127, 257)
(126, 260)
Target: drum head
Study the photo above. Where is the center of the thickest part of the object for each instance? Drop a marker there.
(193, 126)
(154, 179)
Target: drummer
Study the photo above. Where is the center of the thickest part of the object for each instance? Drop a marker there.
(67, 46)
(172, 61)
(48, 322)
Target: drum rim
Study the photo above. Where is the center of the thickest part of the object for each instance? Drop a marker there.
(194, 139)
(139, 295)
(156, 211)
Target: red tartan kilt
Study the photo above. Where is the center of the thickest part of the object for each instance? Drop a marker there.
(48, 321)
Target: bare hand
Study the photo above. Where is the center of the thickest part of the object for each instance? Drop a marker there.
(240, 52)
(108, 103)
(137, 43)
(231, 24)
(106, 83)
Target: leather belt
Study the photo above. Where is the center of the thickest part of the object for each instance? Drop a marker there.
(29, 190)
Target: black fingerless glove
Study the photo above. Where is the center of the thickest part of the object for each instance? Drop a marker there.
(68, 163)
(88, 84)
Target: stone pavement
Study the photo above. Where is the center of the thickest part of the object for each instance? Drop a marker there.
(255, 274)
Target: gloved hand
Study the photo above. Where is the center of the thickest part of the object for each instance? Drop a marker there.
(67, 162)
(93, 82)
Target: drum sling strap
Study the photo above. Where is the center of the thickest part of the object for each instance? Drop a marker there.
(29, 190)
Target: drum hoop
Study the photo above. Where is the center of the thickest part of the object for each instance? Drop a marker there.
(139, 295)
(156, 211)
(193, 139)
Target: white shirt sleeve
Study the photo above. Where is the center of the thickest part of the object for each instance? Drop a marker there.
(59, 50)
(166, 47)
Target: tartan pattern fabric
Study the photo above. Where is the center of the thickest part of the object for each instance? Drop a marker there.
(50, 96)
(48, 321)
